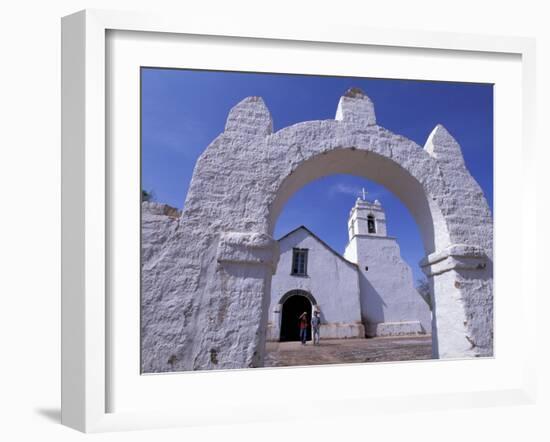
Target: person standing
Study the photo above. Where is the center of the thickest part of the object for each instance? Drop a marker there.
(315, 327)
(303, 328)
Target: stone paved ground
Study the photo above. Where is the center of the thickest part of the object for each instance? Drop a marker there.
(345, 351)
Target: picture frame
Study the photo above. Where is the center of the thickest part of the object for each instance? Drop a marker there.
(87, 315)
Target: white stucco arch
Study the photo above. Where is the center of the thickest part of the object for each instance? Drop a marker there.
(375, 167)
(206, 292)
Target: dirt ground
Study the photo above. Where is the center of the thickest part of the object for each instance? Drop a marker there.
(345, 351)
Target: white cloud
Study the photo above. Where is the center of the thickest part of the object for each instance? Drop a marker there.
(344, 189)
(355, 191)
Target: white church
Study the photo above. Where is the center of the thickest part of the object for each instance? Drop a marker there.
(367, 292)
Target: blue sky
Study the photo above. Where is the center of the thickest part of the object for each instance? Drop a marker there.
(184, 110)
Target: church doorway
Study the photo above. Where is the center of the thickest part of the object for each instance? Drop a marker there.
(294, 305)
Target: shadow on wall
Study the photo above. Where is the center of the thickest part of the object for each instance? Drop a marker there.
(322, 316)
(372, 304)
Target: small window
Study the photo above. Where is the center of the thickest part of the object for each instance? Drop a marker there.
(371, 226)
(299, 262)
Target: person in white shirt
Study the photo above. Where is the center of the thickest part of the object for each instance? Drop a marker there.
(315, 327)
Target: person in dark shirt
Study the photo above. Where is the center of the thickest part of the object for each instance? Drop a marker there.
(303, 327)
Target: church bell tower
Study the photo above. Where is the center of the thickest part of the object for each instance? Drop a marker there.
(390, 305)
(366, 218)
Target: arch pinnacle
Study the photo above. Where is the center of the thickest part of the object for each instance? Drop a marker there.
(251, 116)
(356, 107)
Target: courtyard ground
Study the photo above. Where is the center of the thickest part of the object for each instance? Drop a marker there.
(345, 351)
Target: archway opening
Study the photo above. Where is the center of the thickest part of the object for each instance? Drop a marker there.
(324, 206)
(408, 309)
(293, 307)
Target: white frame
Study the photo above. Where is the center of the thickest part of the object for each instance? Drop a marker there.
(84, 199)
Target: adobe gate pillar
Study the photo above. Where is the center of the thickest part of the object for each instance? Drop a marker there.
(461, 274)
(205, 294)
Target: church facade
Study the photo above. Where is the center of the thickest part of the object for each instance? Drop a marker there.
(368, 291)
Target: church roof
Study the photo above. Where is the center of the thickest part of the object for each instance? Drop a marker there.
(329, 248)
